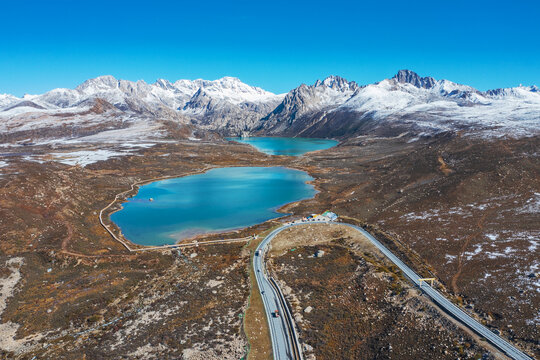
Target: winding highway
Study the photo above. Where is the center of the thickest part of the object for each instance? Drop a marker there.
(285, 344)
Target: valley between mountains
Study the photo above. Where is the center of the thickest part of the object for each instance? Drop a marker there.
(446, 176)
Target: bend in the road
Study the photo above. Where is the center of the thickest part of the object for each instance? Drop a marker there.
(285, 342)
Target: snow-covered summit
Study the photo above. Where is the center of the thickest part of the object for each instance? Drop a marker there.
(520, 92)
(233, 107)
(130, 95)
(330, 92)
(336, 83)
(235, 91)
(101, 83)
(410, 77)
(411, 102)
(8, 100)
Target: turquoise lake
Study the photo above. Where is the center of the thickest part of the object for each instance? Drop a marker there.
(286, 146)
(216, 201)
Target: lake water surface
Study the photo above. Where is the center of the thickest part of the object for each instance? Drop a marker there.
(286, 146)
(216, 201)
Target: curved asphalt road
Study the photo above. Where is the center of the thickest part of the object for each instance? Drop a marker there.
(283, 342)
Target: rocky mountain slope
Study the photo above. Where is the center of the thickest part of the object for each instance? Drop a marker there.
(140, 97)
(229, 105)
(405, 104)
(142, 110)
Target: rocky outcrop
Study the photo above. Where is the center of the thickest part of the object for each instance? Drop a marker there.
(410, 77)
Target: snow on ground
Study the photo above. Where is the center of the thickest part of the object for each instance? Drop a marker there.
(86, 157)
(144, 318)
(147, 351)
(136, 145)
(3, 164)
(33, 158)
(505, 253)
(450, 258)
(213, 283)
(139, 131)
(422, 216)
(470, 254)
(492, 237)
(28, 118)
(135, 133)
(507, 243)
(532, 206)
(8, 284)
(8, 330)
(440, 214)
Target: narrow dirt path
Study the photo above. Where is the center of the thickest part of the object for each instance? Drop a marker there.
(69, 235)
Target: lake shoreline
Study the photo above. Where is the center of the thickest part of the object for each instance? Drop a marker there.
(284, 146)
(197, 233)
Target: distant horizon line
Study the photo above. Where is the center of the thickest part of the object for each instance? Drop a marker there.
(256, 86)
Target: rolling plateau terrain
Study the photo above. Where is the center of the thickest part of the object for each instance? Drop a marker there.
(446, 176)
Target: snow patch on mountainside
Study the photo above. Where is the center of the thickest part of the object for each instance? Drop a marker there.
(86, 157)
(7, 100)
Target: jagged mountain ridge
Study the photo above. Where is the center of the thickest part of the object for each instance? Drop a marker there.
(162, 98)
(304, 99)
(333, 107)
(404, 103)
(232, 108)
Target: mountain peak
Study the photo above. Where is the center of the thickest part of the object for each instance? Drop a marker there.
(164, 84)
(229, 79)
(107, 81)
(410, 77)
(337, 83)
(104, 79)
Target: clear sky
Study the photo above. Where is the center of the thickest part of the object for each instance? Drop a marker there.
(276, 45)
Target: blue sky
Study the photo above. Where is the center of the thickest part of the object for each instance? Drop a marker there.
(276, 45)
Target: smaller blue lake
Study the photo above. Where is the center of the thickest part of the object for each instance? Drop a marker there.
(216, 201)
(286, 146)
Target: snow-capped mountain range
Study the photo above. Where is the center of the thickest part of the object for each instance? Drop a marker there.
(406, 102)
(142, 97)
(333, 107)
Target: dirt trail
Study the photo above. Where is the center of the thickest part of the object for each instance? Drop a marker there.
(76, 254)
(69, 235)
(444, 166)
